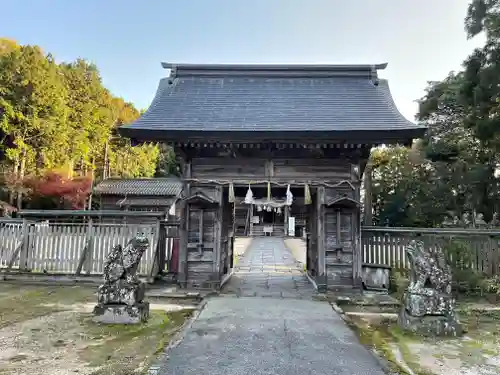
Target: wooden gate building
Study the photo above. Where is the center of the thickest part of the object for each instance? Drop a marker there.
(275, 130)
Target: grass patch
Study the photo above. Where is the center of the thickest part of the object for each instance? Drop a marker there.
(118, 349)
(19, 303)
(51, 329)
(379, 338)
(430, 355)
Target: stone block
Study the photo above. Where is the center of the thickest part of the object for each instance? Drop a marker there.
(376, 276)
(121, 314)
(428, 303)
(430, 325)
(121, 292)
(321, 283)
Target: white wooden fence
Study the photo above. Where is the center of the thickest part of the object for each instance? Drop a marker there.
(477, 249)
(69, 248)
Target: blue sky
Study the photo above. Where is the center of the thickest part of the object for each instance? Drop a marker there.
(421, 40)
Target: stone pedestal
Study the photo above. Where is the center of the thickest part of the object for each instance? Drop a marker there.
(121, 292)
(121, 303)
(429, 313)
(121, 314)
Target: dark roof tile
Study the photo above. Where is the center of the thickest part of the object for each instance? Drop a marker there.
(285, 98)
(140, 187)
(145, 202)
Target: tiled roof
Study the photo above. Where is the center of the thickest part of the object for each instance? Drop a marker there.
(272, 99)
(140, 187)
(148, 202)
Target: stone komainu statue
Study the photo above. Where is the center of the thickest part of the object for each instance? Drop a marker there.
(428, 306)
(121, 298)
(428, 268)
(122, 262)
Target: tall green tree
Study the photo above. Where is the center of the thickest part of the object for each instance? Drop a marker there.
(33, 110)
(458, 159)
(59, 118)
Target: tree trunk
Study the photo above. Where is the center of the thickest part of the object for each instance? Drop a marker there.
(70, 169)
(22, 168)
(92, 176)
(106, 163)
(12, 192)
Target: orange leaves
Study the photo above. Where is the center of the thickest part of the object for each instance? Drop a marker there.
(69, 191)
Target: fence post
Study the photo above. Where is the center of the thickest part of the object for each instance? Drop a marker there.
(85, 256)
(492, 257)
(90, 247)
(23, 255)
(155, 266)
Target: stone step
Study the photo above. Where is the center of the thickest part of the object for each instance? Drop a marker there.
(176, 295)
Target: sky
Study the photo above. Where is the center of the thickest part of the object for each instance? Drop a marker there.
(422, 40)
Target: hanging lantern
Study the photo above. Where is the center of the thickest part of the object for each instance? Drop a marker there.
(307, 195)
(259, 208)
(249, 196)
(278, 210)
(231, 193)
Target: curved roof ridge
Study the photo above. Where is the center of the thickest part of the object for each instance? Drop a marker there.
(277, 70)
(386, 90)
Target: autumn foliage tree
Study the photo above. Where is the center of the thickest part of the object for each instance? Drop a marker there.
(63, 191)
(59, 116)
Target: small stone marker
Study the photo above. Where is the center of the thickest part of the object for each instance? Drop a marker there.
(428, 306)
(120, 300)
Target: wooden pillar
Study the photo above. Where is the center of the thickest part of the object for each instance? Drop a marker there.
(286, 212)
(368, 203)
(357, 261)
(183, 230)
(218, 235)
(250, 214)
(321, 279)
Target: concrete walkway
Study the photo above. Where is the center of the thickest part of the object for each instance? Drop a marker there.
(287, 333)
(268, 269)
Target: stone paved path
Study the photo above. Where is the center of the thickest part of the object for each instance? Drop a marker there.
(287, 333)
(268, 269)
(268, 336)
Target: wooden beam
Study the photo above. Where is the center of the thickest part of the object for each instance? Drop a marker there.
(155, 262)
(14, 255)
(320, 234)
(86, 213)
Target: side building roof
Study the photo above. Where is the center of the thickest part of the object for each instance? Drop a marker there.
(164, 187)
(261, 100)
